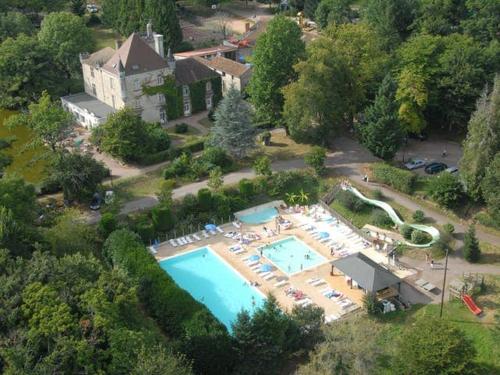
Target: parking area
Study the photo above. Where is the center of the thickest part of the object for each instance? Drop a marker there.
(430, 151)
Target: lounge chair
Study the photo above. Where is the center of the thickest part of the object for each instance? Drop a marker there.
(255, 266)
(270, 276)
(173, 242)
(236, 224)
(196, 237)
(235, 247)
(152, 249)
(252, 263)
(181, 241)
(219, 229)
(212, 232)
(318, 282)
(205, 234)
(239, 251)
(189, 239)
(312, 280)
(281, 283)
(302, 302)
(264, 274)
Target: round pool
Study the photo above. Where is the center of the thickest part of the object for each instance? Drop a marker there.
(259, 217)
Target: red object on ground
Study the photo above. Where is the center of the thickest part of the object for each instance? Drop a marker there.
(471, 304)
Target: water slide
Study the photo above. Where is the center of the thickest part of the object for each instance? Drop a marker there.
(433, 232)
(469, 302)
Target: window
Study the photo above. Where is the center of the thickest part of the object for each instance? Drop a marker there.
(209, 103)
(92, 72)
(163, 116)
(94, 92)
(113, 100)
(161, 98)
(209, 86)
(137, 84)
(111, 83)
(159, 80)
(185, 90)
(187, 108)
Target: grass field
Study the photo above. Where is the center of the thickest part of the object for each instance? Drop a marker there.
(104, 37)
(281, 148)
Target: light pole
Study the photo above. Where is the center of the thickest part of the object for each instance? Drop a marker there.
(444, 284)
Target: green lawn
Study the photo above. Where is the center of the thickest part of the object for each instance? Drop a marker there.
(483, 332)
(104, 37)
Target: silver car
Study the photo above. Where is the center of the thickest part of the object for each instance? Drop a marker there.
(414, 164)
(452, 170)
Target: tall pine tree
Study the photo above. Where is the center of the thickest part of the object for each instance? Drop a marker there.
(483, 140)
(472, 251)
(233, 130)
(381, 132)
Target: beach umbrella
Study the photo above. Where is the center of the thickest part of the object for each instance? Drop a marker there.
(210, 227)
(266, 268)
(324, 234)
(253, 258)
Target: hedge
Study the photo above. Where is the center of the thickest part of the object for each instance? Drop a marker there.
(398, 178)
(176, 312)
(172, 153)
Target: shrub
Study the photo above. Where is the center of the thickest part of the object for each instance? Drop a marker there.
(371, 305)
(316, 159)
(381, 219)
(179, 166)
(446, 190)
(262, 166)
(418, 216)
(448, 228)
(350, 201)
(418, 237)
(285, 182)
(145, 230)
(163, 219)
(205, 199)
(181, 128)
(246, 187)
(265, 138)
(377, 194)
(397, 178)
(107, 224)
(406, 231)
(216, 156)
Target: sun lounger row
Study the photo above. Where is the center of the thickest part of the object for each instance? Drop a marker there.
(316, 281)
(331, 318)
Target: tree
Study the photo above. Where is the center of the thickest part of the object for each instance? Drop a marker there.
(14, 23)
(262, 166)
(315, 105)
(276, 52)
(381, 131)
(65, 35)
(433, 345)
(446, 190)
(126, 136)
(309, 320)
(78, 174)
(489, 188)
(215, 179)
(19, 197)
(164, 19)
(77, 7)
(316, 159)
(107, 224)
(233, 130)
(26, 70)
(472, 251)
(163, 218)
(483, 140)
(412, 96)
(159, 361)
(483, 19)
(333, 11)
(310, 7)
(391, 19)
(440, 17)
(165, 195)
(50, 123)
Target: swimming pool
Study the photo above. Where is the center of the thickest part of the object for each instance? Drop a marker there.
(213, 282)
(291, 255)
(260, 216)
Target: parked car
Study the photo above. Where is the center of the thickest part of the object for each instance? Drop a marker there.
(96, 202)
(92, 8)
(452, 170)
(414, 164)
(434, 168)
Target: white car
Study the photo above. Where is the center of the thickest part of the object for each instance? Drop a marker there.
(414, 164)
(452, 170)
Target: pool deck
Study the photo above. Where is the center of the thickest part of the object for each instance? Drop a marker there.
(221, 244)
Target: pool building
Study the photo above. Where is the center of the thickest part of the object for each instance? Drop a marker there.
(237, 265)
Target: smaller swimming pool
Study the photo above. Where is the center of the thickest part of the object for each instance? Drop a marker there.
(260, 216)
(291, 255)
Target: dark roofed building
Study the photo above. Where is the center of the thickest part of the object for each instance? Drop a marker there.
(188, 71)
(366, 273)
(233, 74)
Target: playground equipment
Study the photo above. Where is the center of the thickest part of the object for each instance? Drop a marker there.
(433, 232)
(462, 289)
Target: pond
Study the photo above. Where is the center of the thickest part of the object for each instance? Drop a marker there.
(23, 163)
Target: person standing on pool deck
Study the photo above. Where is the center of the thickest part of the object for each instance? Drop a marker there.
(261, 251)
(301, 266)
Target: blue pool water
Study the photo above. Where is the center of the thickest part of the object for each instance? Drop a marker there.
(290, 254)
(260, 217)
(214, 283)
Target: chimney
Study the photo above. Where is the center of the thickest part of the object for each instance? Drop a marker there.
(159, 45)
(171, 60)
(149, 29)
(118, 43)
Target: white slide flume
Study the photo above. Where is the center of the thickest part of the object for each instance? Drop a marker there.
(432, 231)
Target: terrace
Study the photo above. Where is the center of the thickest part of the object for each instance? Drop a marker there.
(261, 253)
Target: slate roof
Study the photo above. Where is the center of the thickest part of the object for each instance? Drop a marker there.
(100, 57)
(190, 70)
(370, 275)
(90, 103)
(136, 57)
(206, 51)
(226, 65)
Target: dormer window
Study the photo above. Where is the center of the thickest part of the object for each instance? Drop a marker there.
(135, 67)
(209, 86)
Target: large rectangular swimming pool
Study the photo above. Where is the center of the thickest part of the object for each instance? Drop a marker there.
(291, 255)
(213, 282)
